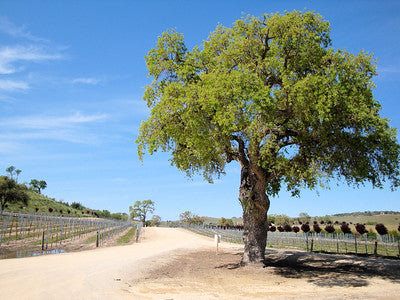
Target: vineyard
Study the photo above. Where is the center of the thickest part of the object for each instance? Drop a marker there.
(37, 233)
(381, 245)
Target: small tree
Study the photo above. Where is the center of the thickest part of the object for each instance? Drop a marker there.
(381, 229)
(329, 228)
(155, 221)
(17, 172)
(345, 228)
(305, 227)
(316, 228)
(225, 222)
(11, 170)
(140, 210)
(361, 228)
(189, 218)
(38, 185)
(287, 228)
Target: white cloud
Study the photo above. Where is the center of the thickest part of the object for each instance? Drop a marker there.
(93, 81)
(18, 32)
(12, 85)
(51, 122)
(10, 55)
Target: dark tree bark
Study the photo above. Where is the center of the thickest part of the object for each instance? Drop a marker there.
(255, 205)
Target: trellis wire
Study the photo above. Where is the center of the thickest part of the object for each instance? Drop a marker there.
(56, 229)
(387, 245)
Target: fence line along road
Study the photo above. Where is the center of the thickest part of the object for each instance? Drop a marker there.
(386, 245)
(47, 232)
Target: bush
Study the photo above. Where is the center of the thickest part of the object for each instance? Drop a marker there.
(287, 228)
(305, 227)
(329, 228)
(296, 229)
(345, 228)
(36, 209)
(316, 228)
(50, 210)
(381, 229)
(361, 228)
(272, 228)
(280, 228)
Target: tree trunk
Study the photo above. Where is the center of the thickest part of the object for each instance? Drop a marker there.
(255, 205)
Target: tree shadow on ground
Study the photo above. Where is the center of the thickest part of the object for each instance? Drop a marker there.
(328, 270)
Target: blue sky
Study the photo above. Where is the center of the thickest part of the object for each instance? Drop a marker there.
(72, 76)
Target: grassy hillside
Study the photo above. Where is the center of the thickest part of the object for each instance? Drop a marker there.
(41, 204)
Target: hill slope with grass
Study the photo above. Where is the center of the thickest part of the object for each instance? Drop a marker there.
(39, 203)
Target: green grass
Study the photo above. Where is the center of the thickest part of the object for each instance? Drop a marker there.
(43, 203)
(127, 237)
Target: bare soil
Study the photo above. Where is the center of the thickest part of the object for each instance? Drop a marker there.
(176, 264)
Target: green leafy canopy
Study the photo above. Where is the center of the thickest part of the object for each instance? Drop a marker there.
(273, 93)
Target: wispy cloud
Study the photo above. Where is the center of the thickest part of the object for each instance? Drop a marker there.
(18, 32)
(51, 122)
(12, 85)
(93, 81)
(9, 56)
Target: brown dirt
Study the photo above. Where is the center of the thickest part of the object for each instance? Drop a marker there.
(286, 275)
(176, 264)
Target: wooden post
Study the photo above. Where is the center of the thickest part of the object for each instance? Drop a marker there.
(312, 244)
(43, 241)
(355, 243)
(97, 240)
(376, 248)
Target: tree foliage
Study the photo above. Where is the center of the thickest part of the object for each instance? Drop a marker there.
(38, 185)
(140, 210)
(225, 222)
(11, 192)
(269, 90)
(187, 217)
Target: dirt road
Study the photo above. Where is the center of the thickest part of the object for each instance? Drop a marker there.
(176, 264)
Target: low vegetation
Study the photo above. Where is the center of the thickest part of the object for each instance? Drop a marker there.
(127, 237)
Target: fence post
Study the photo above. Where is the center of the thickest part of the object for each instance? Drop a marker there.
(43, 241)
(376, 248)
(97, 240)
(355, 243)
(312, 244)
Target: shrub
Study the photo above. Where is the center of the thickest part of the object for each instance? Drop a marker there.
(329, 228)
(296, 229)
(345, 228)
(280, 228)
(61, 211)
(381, 229)
(316, 228)
(305, 227)
(300, 222)
(36, 209)
(361, 228)
(287, 228)
(272, 228)
(315, 222)
(50, 210)
(68, 211)
(322, 222)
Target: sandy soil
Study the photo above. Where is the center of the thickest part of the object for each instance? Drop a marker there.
(176, 264)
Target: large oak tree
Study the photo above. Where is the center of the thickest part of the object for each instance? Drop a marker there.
(272, 94)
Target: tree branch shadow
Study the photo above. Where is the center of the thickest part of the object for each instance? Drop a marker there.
(327, 270)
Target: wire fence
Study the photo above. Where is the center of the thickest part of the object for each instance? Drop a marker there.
(385, 245)
(49, 232)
